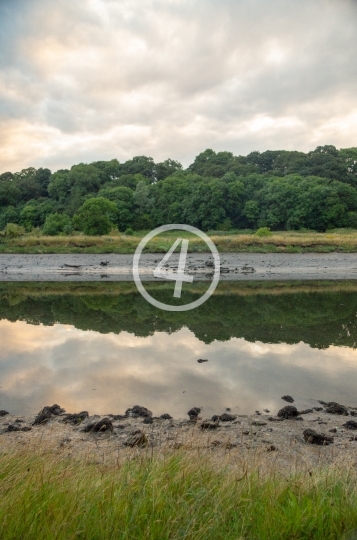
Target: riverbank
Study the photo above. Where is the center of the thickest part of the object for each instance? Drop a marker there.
(298, 438)
(339, 240)
(257, 477)
(234, 267)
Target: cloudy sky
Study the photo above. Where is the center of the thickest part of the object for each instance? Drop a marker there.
(98, 79)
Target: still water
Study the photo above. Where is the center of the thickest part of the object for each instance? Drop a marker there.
(103, 348)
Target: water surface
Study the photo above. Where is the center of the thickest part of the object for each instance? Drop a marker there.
(105, 348)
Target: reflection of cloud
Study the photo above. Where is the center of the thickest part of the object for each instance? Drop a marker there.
(107, 373)
(96, 79)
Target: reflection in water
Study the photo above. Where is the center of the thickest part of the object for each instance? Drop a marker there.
(104, 352)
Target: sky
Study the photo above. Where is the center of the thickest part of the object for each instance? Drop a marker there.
(103, 79)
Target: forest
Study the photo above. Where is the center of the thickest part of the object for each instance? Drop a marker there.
(279, 190)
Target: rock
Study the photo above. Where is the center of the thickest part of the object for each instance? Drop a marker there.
(12, 427)
(209, 425)
(148, 420)
(228, 409)
(201, 360)
(47, 413)
(75, 418)
(266, 410)
(138, 411)
(101, 426)
(289, 399)
(26, 428)
(318, 409)
(117, 416)
(333, 430)
(289, 411)
(226, 417)
(312, 437)
(306, 411)
(137, 438)
(353, 413)
(215, 418)
(336, 408)
(259, 423)
(350, 424)
(275, 419)
(3, 413)
(271, 448)
(194, 412)
(166, 416)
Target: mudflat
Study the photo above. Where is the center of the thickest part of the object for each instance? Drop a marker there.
(234, 267)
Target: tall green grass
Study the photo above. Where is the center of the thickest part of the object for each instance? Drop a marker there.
(44, 497)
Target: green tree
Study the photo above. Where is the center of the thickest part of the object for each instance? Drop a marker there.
(56, 224)
(96, 216)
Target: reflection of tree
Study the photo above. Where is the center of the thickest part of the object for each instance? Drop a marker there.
(319, 319)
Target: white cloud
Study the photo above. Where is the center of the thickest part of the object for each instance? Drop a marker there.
(101, 79)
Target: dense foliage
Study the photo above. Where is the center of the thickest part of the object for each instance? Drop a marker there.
(320, 319)
(280, 190)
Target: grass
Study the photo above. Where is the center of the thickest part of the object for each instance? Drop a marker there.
(175, 496)
(278, 242)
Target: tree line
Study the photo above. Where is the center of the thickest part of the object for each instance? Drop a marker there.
(281, 190)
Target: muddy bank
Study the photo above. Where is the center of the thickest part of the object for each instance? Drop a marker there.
(327, 431)
(234, 267)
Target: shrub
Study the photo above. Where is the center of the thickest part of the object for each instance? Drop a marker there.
(263, 231)
(129, 231)
(56, 224)
(12, 230)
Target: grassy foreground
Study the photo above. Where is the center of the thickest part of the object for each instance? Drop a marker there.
(45, 497)
(279, 242)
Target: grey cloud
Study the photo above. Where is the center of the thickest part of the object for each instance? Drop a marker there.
(170, 78)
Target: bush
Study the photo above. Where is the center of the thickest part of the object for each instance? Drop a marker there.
(96, 216)
(263, 231)
(129, 231)
(12, 230)
(56, 224)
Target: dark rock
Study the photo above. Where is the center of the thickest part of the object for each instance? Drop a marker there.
(138, 411)
(312, 437)
(271, 448)
(13, 427)
(289, 399)
(353, 413)
(258, 413)
(47, 413)
(258, 423)
(322, 402)
(306, 411)
(226, 417)
(333, 430)
(117, 416)
(137, 438)
(318, 409)
(350, 424)
(26, 428)
(275, 419)
(100, 426)
(228, 409)
(336, 408)
(19, 421)
(215, 418)
(3, 413)
(75, 418)
(289, 411)
(201, 360)
(195, 411)
(148, 420)
(209, 425)
(166, 416)
(266, 410)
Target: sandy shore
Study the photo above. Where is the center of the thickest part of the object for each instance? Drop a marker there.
(283, 440)
(234, 267)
